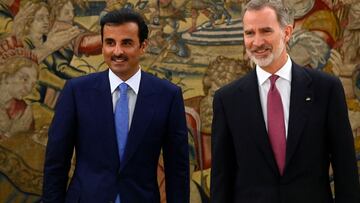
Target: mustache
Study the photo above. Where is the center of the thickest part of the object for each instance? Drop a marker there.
(259, 48)
(121, 57)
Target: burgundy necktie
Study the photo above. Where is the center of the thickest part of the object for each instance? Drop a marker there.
(276, 124)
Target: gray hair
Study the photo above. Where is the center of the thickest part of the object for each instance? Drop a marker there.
(284, 15)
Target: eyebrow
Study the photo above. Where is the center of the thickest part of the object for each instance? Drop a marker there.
(248, 30)
(127, 40)
(108, 39)
(266, 29)
(261, 29)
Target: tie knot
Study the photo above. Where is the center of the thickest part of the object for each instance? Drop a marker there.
(273, 79)
(123, 87)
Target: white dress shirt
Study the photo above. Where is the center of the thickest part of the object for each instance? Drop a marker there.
(283, 84)
(133, 89)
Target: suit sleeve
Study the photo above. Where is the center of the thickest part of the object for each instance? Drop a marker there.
(347, 189)
(223, 161)
(176, 153)
(59, 148)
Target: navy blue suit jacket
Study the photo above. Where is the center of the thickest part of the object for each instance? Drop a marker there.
(243, 165)
(84, 120)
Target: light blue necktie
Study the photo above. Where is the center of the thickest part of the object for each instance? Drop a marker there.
(122, 122)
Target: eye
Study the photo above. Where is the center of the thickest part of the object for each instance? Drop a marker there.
(109, 42)
(127, 43)
(248, 33)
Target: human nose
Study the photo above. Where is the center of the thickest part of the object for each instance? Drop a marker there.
(258, 40)
(118, 50)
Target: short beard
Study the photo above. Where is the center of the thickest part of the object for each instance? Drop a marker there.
(264, 62)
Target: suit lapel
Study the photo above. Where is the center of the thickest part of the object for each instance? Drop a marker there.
(256, 117)
(300, 99)
(142, 116)
(102, 107)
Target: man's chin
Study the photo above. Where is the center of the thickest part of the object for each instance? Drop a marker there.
(119, 63)
(119, 68)
(261, 61)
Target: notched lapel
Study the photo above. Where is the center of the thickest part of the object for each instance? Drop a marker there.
(301, 99)
(256, 118)
(143, 114)
(102, 106)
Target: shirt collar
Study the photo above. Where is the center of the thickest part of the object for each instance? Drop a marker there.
(284, 72)
(133, 82)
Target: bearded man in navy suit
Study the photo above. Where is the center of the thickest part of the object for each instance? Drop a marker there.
(276, 130)
(118, 121)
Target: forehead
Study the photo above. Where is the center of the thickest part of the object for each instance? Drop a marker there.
(27, 70)
(127, 30)
(68, 5)
(42, 11)
(255, 19)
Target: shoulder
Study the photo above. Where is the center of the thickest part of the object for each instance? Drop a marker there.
(158, 84)
(99, 80)
(242, 83)
(89, 79)
(318, 77)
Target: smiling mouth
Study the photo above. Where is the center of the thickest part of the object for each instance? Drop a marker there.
(119, 59)
(261, 51)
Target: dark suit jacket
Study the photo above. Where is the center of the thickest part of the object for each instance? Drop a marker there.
(319, 133)
(84, 119)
